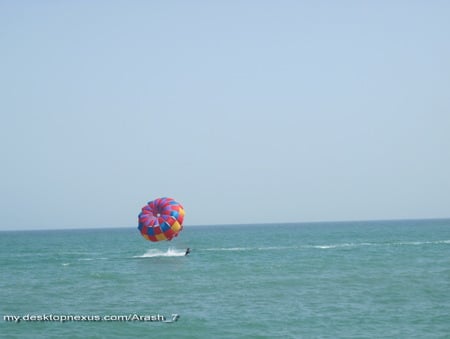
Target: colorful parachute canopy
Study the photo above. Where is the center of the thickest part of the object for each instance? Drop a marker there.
(161, 219)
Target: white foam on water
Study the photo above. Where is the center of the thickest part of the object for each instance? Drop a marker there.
(401, 243)
(337, 245)
(152, 253)
(423, 242)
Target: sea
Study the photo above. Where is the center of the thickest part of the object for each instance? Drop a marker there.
(372, 279)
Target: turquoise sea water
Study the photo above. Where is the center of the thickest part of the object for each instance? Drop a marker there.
(387, 279)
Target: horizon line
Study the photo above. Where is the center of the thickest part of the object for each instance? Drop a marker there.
(230, 224)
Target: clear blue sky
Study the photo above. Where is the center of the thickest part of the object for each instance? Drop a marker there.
(243, 111)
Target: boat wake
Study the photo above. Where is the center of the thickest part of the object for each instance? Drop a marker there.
(153, 253)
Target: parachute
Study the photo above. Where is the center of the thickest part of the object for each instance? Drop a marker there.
(161, 219)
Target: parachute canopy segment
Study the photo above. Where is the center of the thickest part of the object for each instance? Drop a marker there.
(161, 219)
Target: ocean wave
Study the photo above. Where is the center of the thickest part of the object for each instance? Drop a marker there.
(230, 249)
(343, 245)
(268, 248)
(90, 259)
(394, 243)
(179, 253)
(415, 243)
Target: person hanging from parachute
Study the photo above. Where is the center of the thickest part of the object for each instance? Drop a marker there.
(161, 219)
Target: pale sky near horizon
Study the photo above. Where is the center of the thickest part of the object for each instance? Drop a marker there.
(243, 111)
